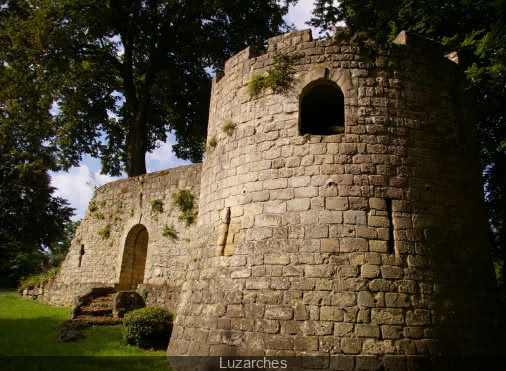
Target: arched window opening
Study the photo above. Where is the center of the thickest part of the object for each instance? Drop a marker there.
(322, 109)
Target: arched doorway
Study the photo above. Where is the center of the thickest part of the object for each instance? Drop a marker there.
(134, 258)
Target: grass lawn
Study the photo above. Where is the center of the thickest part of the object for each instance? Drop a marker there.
(28, 328)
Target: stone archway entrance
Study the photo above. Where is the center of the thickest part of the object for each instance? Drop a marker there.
(134, 258)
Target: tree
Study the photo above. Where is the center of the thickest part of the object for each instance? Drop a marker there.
(31, 218)
(477, 30)
(124, 73)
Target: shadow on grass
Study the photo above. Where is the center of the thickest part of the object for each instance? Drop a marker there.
(31, 344)
(84, 363)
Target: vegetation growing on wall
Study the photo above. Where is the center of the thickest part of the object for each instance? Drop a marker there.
(279, 78)
(229, 127)
(169, 232)
(93, 206)
(39, 278)
(105, 232)
(157, 206)
(211, 144)
(184, 201)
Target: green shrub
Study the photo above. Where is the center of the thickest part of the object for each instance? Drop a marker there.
(184, 201)
(102, 204)
(36, 279)
(307, 137)
(157, 206)
(148, 327)
(99, 216)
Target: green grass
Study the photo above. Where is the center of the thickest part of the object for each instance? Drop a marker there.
(28, 328)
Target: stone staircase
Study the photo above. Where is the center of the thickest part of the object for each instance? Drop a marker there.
(97, 310)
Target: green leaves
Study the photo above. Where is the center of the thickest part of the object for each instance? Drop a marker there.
(126, 73)
(31, 216)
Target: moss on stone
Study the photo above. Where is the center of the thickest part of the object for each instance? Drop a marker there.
(157, 206)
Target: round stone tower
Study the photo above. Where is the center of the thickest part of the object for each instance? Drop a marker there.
(343, 215)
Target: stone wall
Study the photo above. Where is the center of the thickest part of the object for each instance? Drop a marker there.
(116, 209)
(161, 296)
(370, 242)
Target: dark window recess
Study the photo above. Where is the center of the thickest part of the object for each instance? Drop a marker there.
(81, 253)
(225, 231)
(322, 109)
(391, 242)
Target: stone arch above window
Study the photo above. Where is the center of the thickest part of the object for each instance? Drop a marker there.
(321, 108)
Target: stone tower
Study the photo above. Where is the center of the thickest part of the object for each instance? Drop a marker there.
(343, 217)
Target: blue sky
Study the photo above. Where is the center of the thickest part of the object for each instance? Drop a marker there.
(76, 185)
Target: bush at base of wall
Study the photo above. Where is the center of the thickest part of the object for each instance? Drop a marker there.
(148, 327)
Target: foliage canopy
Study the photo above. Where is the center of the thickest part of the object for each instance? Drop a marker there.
(125, 73)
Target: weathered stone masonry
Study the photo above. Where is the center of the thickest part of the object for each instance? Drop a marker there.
(371, 242)
(126, 206)
(368, 242)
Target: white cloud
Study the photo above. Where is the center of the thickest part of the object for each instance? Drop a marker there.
(163, 157)
(75, 186)
(300, 14)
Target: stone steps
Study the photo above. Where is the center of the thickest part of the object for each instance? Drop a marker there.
(98, 320)
(98, 311)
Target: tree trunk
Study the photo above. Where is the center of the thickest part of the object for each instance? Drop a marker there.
(136, 146)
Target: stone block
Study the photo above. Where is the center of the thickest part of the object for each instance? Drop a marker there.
(369, 271)
(299, 204)
(366, 330)
(355, 217)
(267, 326)
(418, 317)
(391, 332)
(328, 313)
(329, 246)
(343, 329)
(278, 342)
(317, 328)
(306, 343)
(351, 345)
(394, 300)
(336, 203)
(387, 316)
(353, 244)
(278, 312)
